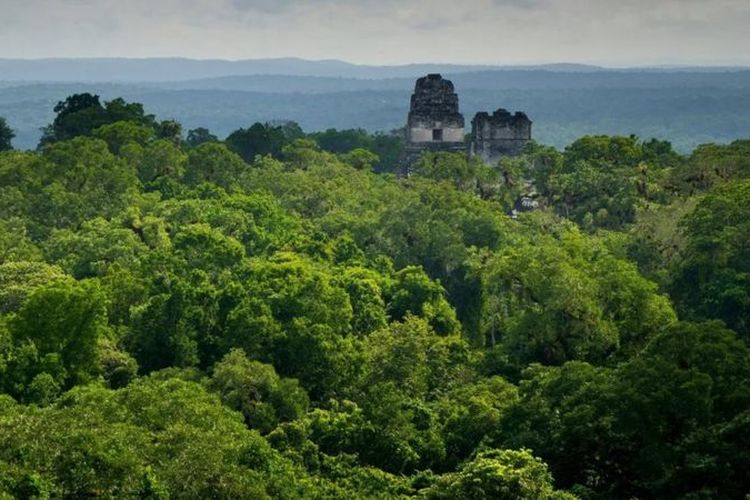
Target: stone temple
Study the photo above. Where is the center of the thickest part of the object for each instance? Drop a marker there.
(499, 134)
(435, 124)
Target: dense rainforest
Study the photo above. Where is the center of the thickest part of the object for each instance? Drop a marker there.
(280, 315)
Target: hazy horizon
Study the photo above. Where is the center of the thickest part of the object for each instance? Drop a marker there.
(518, 65)
(608, 33)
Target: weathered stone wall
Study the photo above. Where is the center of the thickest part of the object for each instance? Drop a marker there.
(499, 134)
(435, 99)
(449, 134)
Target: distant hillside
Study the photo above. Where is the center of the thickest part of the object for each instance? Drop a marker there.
(179, 69)
(685, 106)
(170, 69)
(475, 80)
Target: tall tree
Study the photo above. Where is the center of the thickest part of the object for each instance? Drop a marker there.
(6, 135)
(197, 136)
(260, 139)
(81, 114)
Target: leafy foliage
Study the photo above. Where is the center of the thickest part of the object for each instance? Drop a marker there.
(267, 316)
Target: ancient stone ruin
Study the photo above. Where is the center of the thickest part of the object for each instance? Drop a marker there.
(499, 134)
(435, 124)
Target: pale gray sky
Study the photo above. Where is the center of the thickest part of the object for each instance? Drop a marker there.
(609, 32)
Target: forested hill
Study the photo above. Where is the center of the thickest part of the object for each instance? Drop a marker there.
(168, 69)
(278, 315)
(688, 106)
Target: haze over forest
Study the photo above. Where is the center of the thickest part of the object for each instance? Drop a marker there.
(685, 105)
(242, 61)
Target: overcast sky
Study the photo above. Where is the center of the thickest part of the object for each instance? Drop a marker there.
(609, 32)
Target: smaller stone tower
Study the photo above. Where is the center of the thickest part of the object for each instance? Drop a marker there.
(434, 122)
(500, 134)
